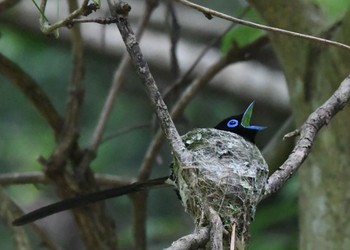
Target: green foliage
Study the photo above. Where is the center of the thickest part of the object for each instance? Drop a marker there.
(333, 9)
(242, 35)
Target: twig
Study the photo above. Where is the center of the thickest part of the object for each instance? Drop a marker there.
(47, 28)
(210, 12)
(308, 131)
(23, 178)
(291, 134)
(174, 37)
(68, 136)
(126, 130)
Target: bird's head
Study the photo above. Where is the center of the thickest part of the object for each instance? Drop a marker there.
(240, 124)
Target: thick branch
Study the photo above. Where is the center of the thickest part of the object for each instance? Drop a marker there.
(308, 132)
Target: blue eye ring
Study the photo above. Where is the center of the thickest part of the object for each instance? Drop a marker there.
(232, 123)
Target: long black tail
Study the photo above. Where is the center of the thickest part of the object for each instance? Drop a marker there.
(87, 199)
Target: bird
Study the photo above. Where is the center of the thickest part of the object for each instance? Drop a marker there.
(238, 124)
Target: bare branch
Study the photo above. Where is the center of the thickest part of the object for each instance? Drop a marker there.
(209, 12)
(69, 134)
(126, 130)
(118, 80)
(47, 28)
(121, 11)
(308, 131)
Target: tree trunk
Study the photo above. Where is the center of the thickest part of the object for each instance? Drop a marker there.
(313, 72)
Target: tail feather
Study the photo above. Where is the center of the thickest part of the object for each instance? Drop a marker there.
(86, 199)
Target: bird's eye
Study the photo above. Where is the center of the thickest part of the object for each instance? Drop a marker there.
(232, 123)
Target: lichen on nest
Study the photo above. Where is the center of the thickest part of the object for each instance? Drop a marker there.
(226, 173)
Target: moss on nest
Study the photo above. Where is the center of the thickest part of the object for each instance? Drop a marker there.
(226, 173)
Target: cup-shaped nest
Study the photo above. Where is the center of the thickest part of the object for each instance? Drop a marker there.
(226, 173)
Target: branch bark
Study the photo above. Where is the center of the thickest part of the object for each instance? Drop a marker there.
(308, 133)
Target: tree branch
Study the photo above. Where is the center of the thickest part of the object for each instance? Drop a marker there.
(209, 12)
(192, 241)
(121, 11)
(47, 28)
(308, 131)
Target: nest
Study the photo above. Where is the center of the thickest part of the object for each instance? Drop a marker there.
(226, 174)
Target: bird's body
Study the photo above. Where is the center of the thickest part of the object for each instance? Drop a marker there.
(237, 125)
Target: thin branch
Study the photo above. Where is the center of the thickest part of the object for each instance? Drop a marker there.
(69, 135)
(121, 11)
(174, 34)
(308, 131)
(126, 130)
(210, 12)
(46, 28)
(32, 91)
(76, 88)
(23, 178)
(118, 80)
(182, 80)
